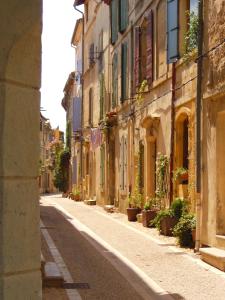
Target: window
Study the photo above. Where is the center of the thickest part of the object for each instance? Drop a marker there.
(114, 81)
(172, 31)
(144, 50)
(123, 164)
(101, 96)
(123, 15)
(161, 39)
(100, 51)
(102, 166)
(91, 55)
(123, 72)
(114, 20)
(90, 117)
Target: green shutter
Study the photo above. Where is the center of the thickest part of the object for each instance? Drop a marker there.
(123, 72)
(114, 81)
(114, 21)
(123, 15)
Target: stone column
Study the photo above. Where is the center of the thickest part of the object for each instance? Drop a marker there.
(20, 70)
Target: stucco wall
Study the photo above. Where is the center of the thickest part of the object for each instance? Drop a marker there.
(213, 125)
(20, 69)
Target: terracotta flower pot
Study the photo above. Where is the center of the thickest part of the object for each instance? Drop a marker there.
(147, 216)
(76, 197)
(132, 213)
(167, 224)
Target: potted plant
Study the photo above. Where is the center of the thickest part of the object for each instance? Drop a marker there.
(166, 219)
(180, 174)
(134, 206)
(183, 230)
(149, 212)
(76, 193)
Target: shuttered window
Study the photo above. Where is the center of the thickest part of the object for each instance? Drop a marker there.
(114, 81)
(90, 117)
(149, 54)
(172, 31)
(101, 96)
(102, 166)
(114, 21)
(123, 164)
(123, 72)
(123, 15)
(137, 32)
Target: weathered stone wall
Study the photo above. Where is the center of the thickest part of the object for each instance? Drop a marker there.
(213, 204)
(20, 69)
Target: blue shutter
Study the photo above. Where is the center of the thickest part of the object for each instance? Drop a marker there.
(76, 114)
(114, 21)
(172, 30)
(123, 72)
(123, 15)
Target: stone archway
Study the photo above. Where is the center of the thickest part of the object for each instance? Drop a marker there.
(181, 155)
(20, 80)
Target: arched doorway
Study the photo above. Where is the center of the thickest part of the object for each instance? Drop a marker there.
(181, 158)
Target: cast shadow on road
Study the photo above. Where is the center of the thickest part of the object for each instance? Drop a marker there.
(136, 280)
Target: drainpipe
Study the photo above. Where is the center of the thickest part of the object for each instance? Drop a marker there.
(173, 98)
(198, 127)
(82, 102)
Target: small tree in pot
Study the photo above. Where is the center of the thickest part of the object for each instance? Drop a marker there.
(149, 212)
(166, 219)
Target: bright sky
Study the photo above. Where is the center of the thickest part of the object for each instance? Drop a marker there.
(58, 57)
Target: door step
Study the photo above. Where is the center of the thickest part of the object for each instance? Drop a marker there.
(109, 208)
(52, 275)
(214, 257)
(90, 202)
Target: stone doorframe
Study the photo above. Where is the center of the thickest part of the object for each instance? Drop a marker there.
(150, 125)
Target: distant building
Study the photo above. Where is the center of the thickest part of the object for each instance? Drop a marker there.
(50, 139)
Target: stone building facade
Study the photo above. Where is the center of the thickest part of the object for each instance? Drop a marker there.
(132, 109)
(213, 148)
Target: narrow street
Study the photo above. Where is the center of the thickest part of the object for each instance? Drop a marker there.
(108, 257)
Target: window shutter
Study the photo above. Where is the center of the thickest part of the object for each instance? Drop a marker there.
(124, 72)
(137, 33)
(149, 57)
(172, 31)
(114, 81)
(114, 21)
(91, 55)
(102, 166)
(101, 96)
(123, 15)
(121, 164)
(125, 164)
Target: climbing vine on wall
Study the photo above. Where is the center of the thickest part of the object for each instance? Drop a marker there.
(162, 164)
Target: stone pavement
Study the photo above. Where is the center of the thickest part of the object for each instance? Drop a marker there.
(155, 258)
